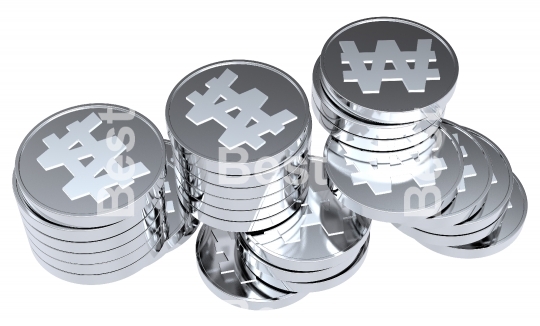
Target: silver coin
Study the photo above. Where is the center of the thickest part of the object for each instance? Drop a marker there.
(232, 177)
(474, 186)
(118, 233)
(280, 211)
(420, 83)
(73, 169)
(227, 277)
(178, 226)
(485, 219)
(265, 270)
(377, 145)
(148, 259)
(241, 211)
(244, 204)
(224, 186)
(232, 107)
(445, 240)
(498, 195)
(504, 235)
(197, 187)
(319, 285)
(325, 235)
(400, 187)
(150, 232)
(95, 269)
(350, 124)
(92, 257)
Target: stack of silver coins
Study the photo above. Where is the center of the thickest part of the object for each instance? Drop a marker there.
(274, 232)
(94, 195)
(380, 88)
(241, 133)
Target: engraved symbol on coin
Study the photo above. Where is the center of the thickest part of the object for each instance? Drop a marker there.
(379, 177)
(387, 51)
(64, 152)
(250, 123)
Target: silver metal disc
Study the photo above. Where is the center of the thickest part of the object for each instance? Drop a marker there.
(497, 197)
(401, 187)
(389, 70)
(377, 145)
(319, 285)
(224, 273)
(77, 168)
(349, 124)
(504, 235)
(473, 187)
(237, 106)
(486, 218)
(325, 235)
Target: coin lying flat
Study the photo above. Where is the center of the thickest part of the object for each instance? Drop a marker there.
(75, 169)
(389, 70)
(227, 277)
(403, 187)
(501, 237)
(232, 107)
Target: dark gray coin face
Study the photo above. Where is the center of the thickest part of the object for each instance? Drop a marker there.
(79, 160)
(389, 64)
(234, 105)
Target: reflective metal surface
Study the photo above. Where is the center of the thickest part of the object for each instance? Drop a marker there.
(501, 237)
(227, 277)
(327, 234)
(209, 132)
(419, 82)
(403, 187)
(75, 170)
(319, 247)
(106, 254)
(473, 187)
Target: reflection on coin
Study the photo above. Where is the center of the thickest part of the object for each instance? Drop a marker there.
(389, 70)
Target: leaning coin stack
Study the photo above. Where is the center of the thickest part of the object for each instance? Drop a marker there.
(241, 133)
(380, 88)
(95, 209)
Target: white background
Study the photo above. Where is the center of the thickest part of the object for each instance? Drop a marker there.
(57, 54)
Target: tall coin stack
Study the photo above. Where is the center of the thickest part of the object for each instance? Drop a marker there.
(95, 208)
(380, 88)
(241, 133)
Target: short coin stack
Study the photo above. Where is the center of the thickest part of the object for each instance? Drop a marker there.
(95, 209)
(319, 247)
(241, 133)
(380, 87)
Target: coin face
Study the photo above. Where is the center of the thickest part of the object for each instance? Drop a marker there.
(83, 160)
(389, 65)
(226, 107)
